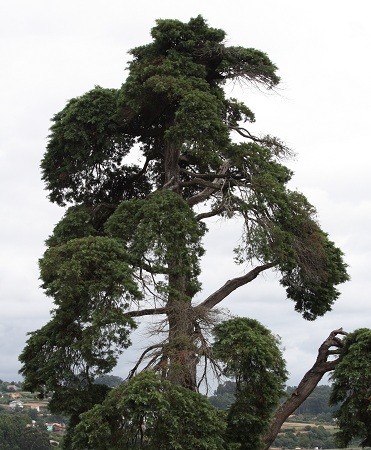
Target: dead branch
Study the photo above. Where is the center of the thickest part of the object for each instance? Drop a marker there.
(211, 213)
(201, 182)
(205, 194)
(244, 133)
(146, 312)
(202, 175)
(306, 385)
(142, 356)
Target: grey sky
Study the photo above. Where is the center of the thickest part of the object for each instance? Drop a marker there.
(52, 51)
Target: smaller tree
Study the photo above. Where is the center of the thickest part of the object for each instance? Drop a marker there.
(352, 389)
(250, 353)
(152, 413)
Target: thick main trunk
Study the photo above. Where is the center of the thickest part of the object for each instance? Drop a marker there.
(179, 354)
(171, 164)
(306, 386)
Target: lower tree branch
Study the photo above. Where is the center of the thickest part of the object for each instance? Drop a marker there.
(306, 385)
(147, 350)
(146, 312)
(217, 183)
(232, 285)
(211, 213)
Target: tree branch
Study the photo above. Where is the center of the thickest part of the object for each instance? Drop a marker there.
(202, 175)
(211, 213)
(205, 194)
(232, 285)
(244, 133)
(146, 312)
(306, 385)
(147, 350)
(199, 181)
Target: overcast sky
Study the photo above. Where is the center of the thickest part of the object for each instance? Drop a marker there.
(53, 50)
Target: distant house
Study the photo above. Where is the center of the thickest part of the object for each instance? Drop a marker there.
(16, 404)
(56, 427)
(32, 405)
(12, 387)
(15, 395)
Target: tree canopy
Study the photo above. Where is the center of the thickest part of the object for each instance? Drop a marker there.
(250, 354)
(16, 433)
(352, 389)
(142, 169)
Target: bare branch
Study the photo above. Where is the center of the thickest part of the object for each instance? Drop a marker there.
(169, 183)
(146, 312)
(245, 133)
(202, 175)
(205, 194)
(142, 356)
(306, 385)
(211, 213)
(232, 285)
(200, 181)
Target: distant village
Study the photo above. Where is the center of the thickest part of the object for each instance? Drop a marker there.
(14, 400)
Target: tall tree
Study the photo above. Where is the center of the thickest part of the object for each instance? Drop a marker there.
(130, 243)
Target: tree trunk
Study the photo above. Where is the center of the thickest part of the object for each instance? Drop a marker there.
(306, 386)
(179, 354)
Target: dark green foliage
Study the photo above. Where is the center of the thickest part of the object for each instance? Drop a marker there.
(148, 412)
(250, 354)
(310, 437)
(109, 380)
(92, 286)
(280, 226)
(16, 433)
(85, 152)
(90, 273)
(130, 242)
(76, 223)
(224, 395)
(352, 389)
(151, 239)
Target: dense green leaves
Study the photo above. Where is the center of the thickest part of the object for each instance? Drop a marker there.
(91, 270)
(148, 412)
(281, 226)
(352, 389)
(157, 230)
(250, 354)
(16, 433)
(248, 350)
(84, 161)
(76, 223)
(92, 285)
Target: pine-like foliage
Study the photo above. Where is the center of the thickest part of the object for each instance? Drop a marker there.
(142, 168)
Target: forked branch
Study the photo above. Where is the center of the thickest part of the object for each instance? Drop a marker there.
(217, 184)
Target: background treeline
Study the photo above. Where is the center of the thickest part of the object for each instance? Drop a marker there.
(315, 415)
(316, 405)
